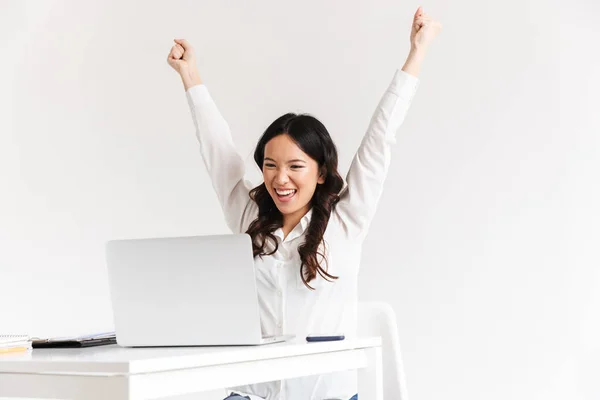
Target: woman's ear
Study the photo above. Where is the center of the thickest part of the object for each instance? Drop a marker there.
(322, 176)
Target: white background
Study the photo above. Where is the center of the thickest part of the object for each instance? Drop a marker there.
(486, 239)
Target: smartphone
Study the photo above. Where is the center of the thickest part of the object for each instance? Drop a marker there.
(324, 338)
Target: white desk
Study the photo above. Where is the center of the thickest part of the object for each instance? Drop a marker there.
(116, 373)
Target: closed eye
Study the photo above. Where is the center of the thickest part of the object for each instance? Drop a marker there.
(297, 166)
(269, 165)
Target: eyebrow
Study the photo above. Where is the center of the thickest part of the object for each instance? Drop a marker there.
(291, 161)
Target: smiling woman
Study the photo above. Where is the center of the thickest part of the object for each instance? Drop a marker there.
(307, 231)
(299, 162)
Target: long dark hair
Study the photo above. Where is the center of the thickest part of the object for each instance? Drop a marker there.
(313, 139)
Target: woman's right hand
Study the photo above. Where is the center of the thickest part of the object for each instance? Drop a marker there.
(183, 60)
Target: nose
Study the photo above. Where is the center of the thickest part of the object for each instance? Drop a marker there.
(281, 178)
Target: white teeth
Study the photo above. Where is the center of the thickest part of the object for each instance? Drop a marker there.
(284, 192)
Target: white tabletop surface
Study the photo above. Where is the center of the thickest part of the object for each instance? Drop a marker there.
(114, 359)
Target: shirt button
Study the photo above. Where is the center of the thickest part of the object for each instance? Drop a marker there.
(279, 324)
(279, 293)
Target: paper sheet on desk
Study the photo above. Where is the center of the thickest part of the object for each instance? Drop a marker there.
(79, 338)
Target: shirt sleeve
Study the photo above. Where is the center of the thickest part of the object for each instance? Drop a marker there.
(224, 164)
(370, 164)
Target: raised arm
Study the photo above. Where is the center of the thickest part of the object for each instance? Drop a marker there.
(370, 165)
(225, 166)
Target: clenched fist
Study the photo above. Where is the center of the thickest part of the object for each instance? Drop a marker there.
(183, 60)
(424, 29)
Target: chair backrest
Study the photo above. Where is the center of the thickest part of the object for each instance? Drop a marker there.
(379, 319)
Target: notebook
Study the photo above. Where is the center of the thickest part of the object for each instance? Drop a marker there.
(96, 339)
(12, 343)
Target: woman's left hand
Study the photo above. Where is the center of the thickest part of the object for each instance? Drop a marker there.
(424, 29)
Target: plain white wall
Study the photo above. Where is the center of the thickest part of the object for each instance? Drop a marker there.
(486, 239)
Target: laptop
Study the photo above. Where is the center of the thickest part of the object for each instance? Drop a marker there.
(185, 291)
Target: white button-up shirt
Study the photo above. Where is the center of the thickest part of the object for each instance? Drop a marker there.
(286, 304)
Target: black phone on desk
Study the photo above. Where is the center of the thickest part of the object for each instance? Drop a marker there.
(325, 337)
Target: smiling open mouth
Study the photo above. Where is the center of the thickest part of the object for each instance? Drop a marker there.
(285, 195)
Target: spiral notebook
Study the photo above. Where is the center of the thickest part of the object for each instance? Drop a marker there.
(13, 343)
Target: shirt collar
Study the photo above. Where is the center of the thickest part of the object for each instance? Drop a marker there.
(306, 220)
(298, 229)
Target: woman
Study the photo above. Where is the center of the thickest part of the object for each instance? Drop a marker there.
(306, 229)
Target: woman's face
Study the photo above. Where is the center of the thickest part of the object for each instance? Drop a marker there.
(290, 175)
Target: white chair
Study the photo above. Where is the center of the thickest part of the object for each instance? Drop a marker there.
(379, 319)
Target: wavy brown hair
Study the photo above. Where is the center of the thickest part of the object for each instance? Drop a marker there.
(313, 139)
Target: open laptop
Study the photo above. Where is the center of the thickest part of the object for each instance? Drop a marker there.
(185, 291)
